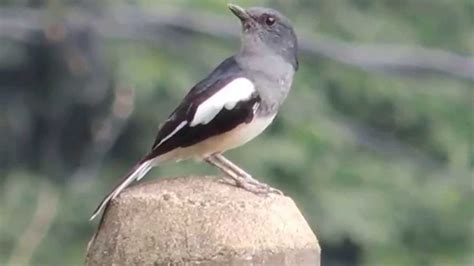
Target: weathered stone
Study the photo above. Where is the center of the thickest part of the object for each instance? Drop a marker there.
(200, 221)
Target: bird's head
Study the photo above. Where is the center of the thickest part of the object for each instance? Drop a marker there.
(267, 31)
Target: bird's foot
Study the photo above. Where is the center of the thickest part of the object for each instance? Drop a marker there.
(262, 186)
(267, 189)
(227, 180)
(251, 185)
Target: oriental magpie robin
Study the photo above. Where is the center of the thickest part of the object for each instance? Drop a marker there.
(232, 105)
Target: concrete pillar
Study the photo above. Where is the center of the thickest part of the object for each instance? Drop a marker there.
(200, 221)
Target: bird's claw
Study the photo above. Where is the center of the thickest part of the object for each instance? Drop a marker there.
(227, 180)
(252, 186)
(266, 189)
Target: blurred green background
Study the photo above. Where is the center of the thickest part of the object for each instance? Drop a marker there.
(375, 142)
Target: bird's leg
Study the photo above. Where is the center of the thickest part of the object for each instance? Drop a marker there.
(228, 173)
(240, 181)
(244, 174)
(235, 168)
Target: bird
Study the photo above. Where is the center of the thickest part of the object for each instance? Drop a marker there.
(231, 106)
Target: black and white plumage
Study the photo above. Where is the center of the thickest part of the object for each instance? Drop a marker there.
(217, 104)
(232, 105)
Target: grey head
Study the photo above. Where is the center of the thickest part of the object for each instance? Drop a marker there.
(267, 31)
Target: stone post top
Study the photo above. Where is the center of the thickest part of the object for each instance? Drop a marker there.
(201, 221)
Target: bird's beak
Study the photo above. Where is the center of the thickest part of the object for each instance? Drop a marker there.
(239, 12)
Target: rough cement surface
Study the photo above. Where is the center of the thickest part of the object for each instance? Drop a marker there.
(200, 221)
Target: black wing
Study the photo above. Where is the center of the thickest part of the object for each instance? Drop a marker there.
(224, 121)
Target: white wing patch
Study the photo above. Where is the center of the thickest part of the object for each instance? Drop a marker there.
(240, 89)
(179, 127)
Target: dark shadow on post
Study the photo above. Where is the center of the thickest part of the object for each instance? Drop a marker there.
(199, 221)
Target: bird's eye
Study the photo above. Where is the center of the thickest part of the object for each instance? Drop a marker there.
(269, 20)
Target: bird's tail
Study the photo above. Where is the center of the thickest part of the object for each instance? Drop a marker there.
(140, 170)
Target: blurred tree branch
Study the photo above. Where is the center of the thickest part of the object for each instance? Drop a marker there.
(41, 221)
(132, 23)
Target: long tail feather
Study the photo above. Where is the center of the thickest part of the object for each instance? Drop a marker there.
(136, 173)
